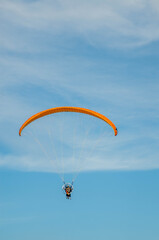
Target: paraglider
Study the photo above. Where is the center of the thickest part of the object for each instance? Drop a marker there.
(67, 187)
(68, 109)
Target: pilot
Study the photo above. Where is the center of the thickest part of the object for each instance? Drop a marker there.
(68, 188)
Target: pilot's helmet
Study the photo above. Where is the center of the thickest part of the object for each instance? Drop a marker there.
(68, 185)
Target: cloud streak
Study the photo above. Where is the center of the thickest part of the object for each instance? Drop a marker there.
(56, 53)
(118, 24)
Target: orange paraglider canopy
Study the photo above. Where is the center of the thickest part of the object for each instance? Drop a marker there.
(68, 109)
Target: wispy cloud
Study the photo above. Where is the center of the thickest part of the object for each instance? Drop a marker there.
(15, 220)
(126, 24)
(52, 147)
(57, 53)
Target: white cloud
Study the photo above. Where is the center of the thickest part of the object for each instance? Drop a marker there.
(108, 23)
(36, 75)
(48, 146)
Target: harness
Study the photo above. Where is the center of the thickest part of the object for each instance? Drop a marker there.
(68, 193)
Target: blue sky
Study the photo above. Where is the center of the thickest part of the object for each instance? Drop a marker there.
(101, 55)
